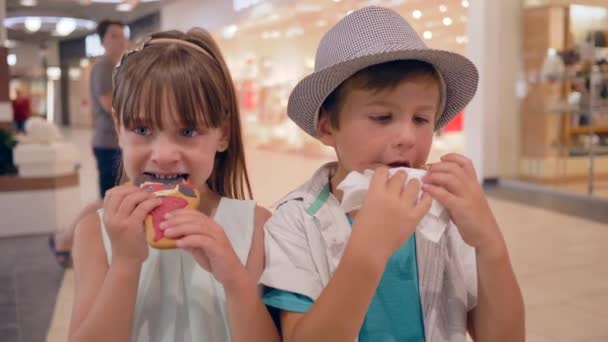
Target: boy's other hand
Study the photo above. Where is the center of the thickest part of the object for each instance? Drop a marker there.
(453, 182)
(390, 212)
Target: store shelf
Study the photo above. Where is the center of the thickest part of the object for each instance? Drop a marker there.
(588, 129)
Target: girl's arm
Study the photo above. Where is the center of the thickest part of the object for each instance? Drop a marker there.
(499, 315)
(248, 316)
(104, 294)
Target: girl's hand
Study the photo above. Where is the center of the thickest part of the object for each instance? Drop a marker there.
(453, 182)
(125, 208)
(390, 211)
(207, 242)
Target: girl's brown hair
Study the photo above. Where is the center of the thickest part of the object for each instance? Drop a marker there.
(199, 85)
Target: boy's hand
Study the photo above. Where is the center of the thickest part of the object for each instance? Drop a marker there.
(125, 208)
(453, 182)
(206, 241)
(390, 211)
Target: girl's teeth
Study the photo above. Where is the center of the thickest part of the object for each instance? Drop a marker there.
(166, 176)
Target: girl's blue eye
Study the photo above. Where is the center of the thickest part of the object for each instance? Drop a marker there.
(144, 131)
(189, 132)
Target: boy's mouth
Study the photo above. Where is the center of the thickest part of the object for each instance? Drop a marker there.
(399, 164)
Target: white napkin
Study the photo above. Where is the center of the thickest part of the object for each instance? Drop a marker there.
(355, 187)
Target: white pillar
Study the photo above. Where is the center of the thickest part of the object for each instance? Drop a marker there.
(2, 27)
(6, 111)
(491, 121)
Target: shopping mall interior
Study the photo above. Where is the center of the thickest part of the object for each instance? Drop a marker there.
(536, 132)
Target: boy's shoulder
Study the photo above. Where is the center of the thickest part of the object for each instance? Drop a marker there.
(310, 191)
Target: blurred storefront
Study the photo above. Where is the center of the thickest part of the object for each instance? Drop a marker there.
(564, 111)
(270, 45)
(519, 127)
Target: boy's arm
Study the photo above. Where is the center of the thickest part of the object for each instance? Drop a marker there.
(249, 319)
(104, 295)
(499, 315)
(347, 297)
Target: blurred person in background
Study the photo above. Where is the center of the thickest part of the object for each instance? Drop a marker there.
(105, 143)
(21, 110)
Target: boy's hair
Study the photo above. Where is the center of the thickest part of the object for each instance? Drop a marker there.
(376, 78)
(200, 88)
(102, 27)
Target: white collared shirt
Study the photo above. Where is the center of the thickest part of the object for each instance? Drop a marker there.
(307, 234)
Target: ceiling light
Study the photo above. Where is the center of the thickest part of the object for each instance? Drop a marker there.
(294, 31)
(32, 24)
(53, 73)
(465, 3)
(74, 73)
(11, 59)
(124, 7)
(84, 63)
(308, 8)
(66, 26)
(321, 23)
(447, 21)
(417, 14)
(230, 31)
(427, 35)
(28, 3)
(461, 39)
(443, 8)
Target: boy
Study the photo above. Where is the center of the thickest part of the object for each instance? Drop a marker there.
(376, 97)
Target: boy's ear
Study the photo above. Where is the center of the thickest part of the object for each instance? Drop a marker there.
(325, 130)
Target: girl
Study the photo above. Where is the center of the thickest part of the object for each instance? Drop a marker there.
(176, 114)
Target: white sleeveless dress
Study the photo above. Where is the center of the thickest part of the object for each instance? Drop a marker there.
(177, 300)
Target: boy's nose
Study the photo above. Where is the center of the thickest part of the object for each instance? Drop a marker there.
(405, 136)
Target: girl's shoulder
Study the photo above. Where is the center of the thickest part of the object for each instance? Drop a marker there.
(232, 205)
(89, 225)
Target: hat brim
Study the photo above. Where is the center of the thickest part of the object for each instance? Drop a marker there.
(460, 76)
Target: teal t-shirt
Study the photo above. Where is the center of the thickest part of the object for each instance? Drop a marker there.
(394, 314)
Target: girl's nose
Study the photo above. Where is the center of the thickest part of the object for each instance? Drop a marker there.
(164, 151)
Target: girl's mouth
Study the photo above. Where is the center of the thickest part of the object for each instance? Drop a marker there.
(171, 178)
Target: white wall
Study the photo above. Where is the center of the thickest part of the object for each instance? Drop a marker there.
(491, 124)
(185, 14)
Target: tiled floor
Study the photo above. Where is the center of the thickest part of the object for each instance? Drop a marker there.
(29, 282)
(559, 260)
